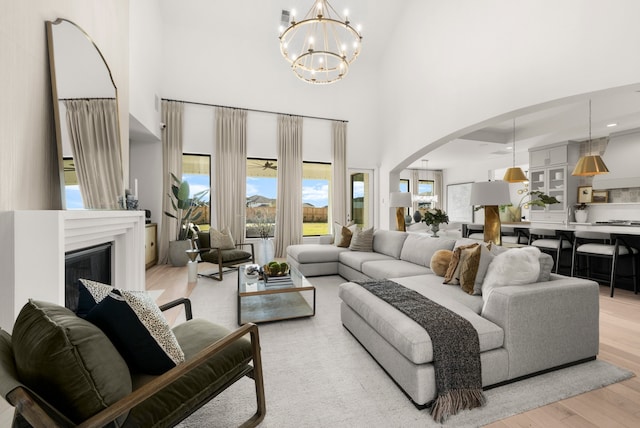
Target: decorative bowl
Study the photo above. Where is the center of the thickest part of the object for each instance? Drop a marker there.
(276, 269)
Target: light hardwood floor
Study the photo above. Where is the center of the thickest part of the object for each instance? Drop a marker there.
(617, 405)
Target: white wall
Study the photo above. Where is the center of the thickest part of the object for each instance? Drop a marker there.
(28, 165)
(204, 63)
(460, 63)
(145, 58)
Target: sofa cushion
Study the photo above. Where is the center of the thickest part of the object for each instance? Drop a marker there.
(67, 360)
(393, 269)
(407, 336)
(342, 236)
(314, 253)
(362, 240)
(355, 259)
(173, 403)
(389, 242)
(419, 248)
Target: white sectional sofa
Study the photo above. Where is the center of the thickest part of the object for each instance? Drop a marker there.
(522, 329)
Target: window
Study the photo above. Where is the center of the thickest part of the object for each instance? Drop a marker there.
(262, 189)
(262, 186)
(425, 188)
(404, 185)
(196, 170)
(316, 181)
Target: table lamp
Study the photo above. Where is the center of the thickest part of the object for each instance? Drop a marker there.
(490, 194)
(400, 201)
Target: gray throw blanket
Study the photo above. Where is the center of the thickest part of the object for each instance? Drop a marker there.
(456, 349)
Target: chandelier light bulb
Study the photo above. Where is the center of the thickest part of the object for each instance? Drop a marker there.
(293, 13)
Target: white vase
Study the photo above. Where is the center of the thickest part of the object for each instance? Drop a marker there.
(581, 216)
(264, 251)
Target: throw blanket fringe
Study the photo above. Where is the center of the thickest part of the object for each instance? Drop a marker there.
(456, 348)
(451, 402)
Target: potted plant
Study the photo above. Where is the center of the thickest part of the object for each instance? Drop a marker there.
(184, 211)
(536, 197)
(434, 217)
(580, 212)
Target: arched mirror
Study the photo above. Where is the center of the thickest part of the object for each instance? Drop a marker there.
(86, 117)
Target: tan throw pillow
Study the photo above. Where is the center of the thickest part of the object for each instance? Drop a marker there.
(337, 231)
(440, 262)
(469, 269)
(452, 277)
(362, 240)
(345, 238)
(221, 239)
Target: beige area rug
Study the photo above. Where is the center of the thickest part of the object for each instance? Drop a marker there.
(318, 375)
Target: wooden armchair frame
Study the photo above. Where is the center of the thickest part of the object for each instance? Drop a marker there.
(38, 413)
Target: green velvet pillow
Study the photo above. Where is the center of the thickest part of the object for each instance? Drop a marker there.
(68, 361)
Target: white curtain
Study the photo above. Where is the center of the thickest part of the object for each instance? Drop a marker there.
(172, 117)
(339, 184)
(95, 143)
(289, 200)
(231, 167)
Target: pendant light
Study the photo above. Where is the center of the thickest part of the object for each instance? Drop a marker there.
(513, 174)
(590, 164)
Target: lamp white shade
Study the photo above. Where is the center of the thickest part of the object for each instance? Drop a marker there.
(490, 193)
(400, 199)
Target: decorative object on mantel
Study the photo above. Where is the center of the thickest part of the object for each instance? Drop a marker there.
(514, 174)
(580, 212)
(321, 46)
(590, 164)
(184, 212)
(490, 194)
(417, 216)
(434, 217)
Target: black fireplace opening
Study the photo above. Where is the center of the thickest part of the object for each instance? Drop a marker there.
(88, 263)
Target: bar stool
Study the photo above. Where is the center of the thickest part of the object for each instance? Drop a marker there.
(514, 235)
(551, 242)
(475, 231)
(602, 245)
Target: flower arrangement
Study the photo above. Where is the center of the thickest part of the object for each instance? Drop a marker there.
(264, 224)
(435, 216)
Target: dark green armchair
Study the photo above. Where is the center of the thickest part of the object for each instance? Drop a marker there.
(225, 259)
(81, 380)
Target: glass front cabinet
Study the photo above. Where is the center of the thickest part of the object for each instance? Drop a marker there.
(550, 170)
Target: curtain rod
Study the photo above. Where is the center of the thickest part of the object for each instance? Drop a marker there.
(255, 110)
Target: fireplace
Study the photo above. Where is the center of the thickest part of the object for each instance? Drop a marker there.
(35, 244)
(89, 263)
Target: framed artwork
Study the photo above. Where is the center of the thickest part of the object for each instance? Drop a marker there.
(585, 194)
(459, 208)
(600, 196)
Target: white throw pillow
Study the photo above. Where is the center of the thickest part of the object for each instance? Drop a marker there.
(517, 266)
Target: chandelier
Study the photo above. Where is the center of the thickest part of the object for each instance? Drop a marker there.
(590, 164)
(514, 174)
(321, 46)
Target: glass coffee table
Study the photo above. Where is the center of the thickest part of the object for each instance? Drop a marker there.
(261, 300)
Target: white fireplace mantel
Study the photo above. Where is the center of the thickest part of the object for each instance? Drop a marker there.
(34, 244)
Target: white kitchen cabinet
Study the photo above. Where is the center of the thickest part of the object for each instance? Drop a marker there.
(550, 170)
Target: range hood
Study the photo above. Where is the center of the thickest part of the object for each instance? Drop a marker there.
(621, 157)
